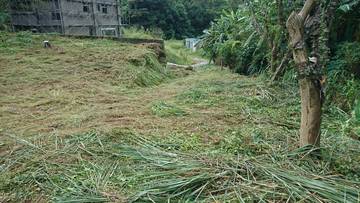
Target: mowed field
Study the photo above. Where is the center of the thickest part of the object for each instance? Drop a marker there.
(75, 86)
(101, 121)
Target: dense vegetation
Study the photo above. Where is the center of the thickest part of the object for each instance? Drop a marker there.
(177, 18)
(254, 39)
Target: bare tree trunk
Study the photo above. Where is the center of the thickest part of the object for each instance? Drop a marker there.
(309, 83)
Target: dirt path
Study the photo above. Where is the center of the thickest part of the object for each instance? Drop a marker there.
(198, 62)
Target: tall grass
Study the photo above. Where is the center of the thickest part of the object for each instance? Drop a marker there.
(136, 32)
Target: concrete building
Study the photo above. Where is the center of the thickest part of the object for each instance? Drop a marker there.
(69, 17)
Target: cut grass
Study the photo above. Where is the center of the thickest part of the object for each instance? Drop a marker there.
(163, 109)
(125, 167)
(154, 73)
(183, 177)
(77, 129)
(64, 89)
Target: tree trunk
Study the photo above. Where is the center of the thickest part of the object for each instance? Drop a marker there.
(310, 113)
(309, 83)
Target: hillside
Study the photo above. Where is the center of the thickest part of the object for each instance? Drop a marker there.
(70, 87)
(99, 121)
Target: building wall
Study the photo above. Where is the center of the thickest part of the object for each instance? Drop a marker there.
(24, 19)
(40, 14)
(71, 17)
(90, 21)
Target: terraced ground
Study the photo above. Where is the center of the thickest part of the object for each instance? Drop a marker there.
(100, 121)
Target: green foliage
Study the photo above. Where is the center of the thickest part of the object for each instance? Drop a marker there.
(202, 12)
(11, 43)
(348, 5)
(136, 32)
(178, 18)
(233, 41)
(343, 85)
(164, 14)
(346, 26)
(163, 109)
(253, 38)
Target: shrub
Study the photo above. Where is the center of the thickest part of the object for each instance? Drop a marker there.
(232, 39)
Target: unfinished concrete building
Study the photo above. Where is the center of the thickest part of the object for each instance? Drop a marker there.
(69, 17)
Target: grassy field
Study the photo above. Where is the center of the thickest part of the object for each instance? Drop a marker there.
(101, 121)
(177, 53)
(133, 32)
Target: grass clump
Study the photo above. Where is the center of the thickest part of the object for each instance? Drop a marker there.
(151, 72)
(163, 109)
(14, 42)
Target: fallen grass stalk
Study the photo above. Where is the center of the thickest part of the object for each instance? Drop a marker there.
(88, 167)
(187, 178)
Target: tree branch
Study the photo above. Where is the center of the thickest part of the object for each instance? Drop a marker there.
(308, 6)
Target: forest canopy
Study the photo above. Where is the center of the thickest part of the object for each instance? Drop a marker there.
(177, 18)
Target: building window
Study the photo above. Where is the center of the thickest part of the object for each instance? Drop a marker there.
(55, 16)
(56, 2)
(104, 8)
(110, 32)
(86, 7)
